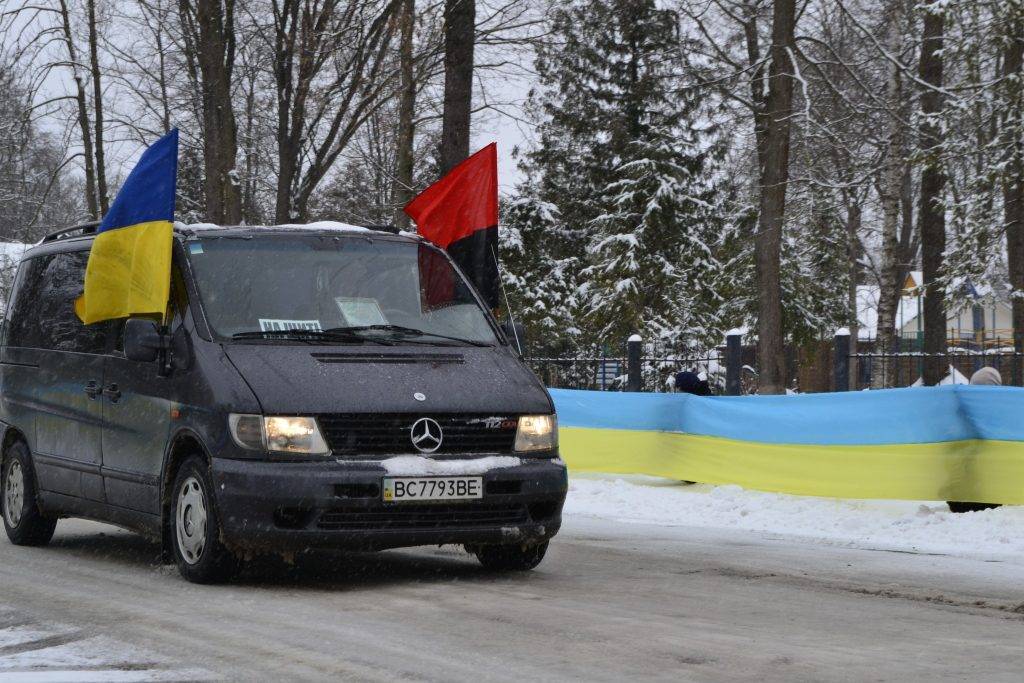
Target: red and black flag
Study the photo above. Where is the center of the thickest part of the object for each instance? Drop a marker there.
(459, 213)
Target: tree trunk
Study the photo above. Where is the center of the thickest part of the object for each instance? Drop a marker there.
(774, 179)
(401, 189)
(158, 38)
(890, 188)
(97, 97)
(1013, 176)
(83, 115)
(459, 36)
(931, 212)
(215, 44)
(853, 225)
(908, 237)
(250, 209)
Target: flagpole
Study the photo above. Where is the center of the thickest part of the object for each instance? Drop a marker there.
(504, 293)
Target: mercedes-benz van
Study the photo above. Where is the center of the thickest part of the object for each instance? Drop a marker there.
(317, 386)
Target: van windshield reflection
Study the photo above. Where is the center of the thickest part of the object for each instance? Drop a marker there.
(314, 288)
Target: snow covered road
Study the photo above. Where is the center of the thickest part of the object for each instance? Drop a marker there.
(615, 600)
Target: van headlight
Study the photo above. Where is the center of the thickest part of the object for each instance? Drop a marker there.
(537, 433)
(278, 434)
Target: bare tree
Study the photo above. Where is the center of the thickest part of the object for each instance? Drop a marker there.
(82, 103)
(774, 179)
(402, 186)
(210, 41)
(459, 38)
(931, 211)
(97, 103)
(890, 186)
(331, 74)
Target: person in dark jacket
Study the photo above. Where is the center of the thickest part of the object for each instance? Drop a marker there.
(691, 383)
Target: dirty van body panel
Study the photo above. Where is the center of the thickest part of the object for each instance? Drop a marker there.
(19, 377)
(303, 380)
(135, 430)
(43, 397)
(155, 410)
(159, 412)
(68, 453)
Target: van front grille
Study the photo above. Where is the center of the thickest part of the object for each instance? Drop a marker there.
(367, 434)
(431, 516)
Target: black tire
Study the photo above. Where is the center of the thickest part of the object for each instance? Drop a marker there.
(27, 526)
(516, 558)
(956, 506)
(197, 549)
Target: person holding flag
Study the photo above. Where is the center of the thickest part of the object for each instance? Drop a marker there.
(129, 271)
(459, 213)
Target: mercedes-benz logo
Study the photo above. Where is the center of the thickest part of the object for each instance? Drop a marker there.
(426, 435)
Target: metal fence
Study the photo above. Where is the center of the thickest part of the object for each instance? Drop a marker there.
(603, 371)
(646, 366)
(636, 366)
(906, 368)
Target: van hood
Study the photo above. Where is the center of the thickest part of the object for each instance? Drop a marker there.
(298, 380)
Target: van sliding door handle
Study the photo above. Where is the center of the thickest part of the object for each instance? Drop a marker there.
(93, 390)
(112, 392)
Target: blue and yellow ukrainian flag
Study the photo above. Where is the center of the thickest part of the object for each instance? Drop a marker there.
(963, 443)
(129, 271)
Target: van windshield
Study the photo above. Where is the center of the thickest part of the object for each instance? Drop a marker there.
(338, 288)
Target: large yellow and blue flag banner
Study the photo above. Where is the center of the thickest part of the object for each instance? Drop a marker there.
(129, 271)
(962, 443)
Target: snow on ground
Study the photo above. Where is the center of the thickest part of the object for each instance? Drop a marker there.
(44, 651)
(923, 527)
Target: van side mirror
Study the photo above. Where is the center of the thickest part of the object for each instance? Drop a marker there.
(516, 333)
(142, 340)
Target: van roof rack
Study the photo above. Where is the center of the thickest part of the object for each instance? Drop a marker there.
(73, 231)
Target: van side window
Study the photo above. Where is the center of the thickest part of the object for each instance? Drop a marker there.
(44, 315)
(19, 277)
(23, 325)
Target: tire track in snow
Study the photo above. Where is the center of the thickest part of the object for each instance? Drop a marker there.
(37, 652)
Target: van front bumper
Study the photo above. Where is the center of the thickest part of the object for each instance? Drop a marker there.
(289, 506)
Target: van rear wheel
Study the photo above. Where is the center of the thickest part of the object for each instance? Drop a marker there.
(195, 527)
(24, 523)
(518, 558)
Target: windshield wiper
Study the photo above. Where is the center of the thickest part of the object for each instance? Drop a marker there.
(402, 331)
(309, 336)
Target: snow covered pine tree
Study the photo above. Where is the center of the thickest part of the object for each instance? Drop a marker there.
(626, 157)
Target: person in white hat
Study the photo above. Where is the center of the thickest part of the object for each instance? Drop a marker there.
(987, 376)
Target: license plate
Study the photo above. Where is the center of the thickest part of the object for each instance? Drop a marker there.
(401, 489)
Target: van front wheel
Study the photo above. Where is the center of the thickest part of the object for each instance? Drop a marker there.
(195, 528)
(517, 558)
(24, 523)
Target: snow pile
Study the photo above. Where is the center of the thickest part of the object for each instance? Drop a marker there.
(889, 525)
(12, 250)
(416, 466)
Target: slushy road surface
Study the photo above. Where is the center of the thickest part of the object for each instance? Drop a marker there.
(611, 602)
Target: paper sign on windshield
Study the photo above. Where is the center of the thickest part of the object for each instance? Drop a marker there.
(360, 311)
(272, 325)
